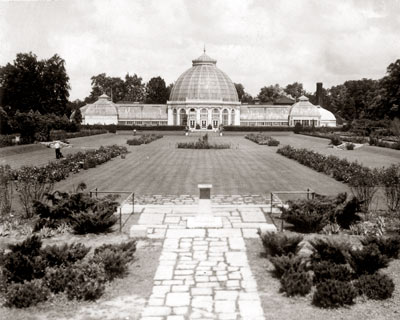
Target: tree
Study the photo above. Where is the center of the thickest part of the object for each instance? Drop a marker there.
(134, 88)
(247, 98)
(270, 93)
(77, 118)
(156, 91)
(4, 128)
(240, 90)
(391, 91)
(30, 84)
(114, 87)
(295, 90)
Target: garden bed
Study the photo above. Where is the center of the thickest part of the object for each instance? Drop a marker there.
(202, 143)
(262, 139)
(144, 139)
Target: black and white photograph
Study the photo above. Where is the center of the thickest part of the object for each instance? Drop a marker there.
(199, 159)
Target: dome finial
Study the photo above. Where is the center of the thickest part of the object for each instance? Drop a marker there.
(204, 49)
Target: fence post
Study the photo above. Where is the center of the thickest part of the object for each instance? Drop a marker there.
(96, 192)
(272, 199)
(308, 194)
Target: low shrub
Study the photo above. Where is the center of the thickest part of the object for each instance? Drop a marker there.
(98, 220)
(279, 244)
(335, 140)
(287, 263)
(367, 260)
(202, 143)
(26, 294)
(262, 139)
(350, 146)
(329, 251)
(375, 286)
(115, 258)
(334, 294)
(144, 139)
(326, 270)
(65, 254)
(86, 281)
(388, 246)
(346, 213)
(56, 279)
(296, 283)
(308, 215)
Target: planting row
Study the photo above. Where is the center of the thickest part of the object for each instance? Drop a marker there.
(202, 143)
(362, 180)
(30, 273)
(32, 183)
(339, 271)
(262, 139)
(144, 139)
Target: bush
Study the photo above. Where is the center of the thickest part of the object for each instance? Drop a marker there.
(99, 220)
(287, 263)
(326, 270)
(375, 286)
(296, 283)
(350, 146)
(329, 251)
(279, 244)
(367, 260)
(390, 179)
(388, 246)
(262, 139)
(335, 140)
(23, 295)
(197, 126)
(202, 143)
(308, 215)
(115, 258)
(333, 294)
(346, 213)
(298, 128)
(86, 281)
(364, 185)
(65, 254)
(144, 139)
(56, 279)
(6, 190)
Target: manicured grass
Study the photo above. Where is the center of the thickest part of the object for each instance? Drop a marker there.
(161, 168)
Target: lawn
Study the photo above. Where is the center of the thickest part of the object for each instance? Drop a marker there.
(161, 168)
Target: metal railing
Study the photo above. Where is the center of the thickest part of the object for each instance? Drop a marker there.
(310, 195)
(95, 192)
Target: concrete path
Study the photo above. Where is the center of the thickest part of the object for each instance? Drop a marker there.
(203, 271)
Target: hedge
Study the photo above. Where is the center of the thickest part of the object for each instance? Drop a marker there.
(256, 128)
(114, 127)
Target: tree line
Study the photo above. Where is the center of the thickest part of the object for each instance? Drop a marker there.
(43, 86)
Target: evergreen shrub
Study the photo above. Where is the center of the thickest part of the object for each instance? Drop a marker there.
(330, 251)
(388, 246)
(334, 294)
(287, 263)
(26, 294)
(86, 281)
(367, 260)
(326, 270)
(375, 286)
(279, 244)
(296, 283)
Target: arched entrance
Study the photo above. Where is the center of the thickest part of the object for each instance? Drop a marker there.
(183, 117)
(203, 118)
(192, 118)
(215, 118)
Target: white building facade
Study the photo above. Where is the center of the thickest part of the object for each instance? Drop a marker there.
(205, 98)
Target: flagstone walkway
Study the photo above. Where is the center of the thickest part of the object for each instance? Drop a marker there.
(203, 271)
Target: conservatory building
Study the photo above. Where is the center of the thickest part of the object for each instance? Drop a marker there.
(205, 98)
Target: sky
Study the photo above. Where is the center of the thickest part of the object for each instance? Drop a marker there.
(256, 42)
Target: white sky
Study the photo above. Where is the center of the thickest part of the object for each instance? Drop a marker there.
(257, 43)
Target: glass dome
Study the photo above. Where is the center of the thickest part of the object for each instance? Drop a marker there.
(103, 106)
(204, 81)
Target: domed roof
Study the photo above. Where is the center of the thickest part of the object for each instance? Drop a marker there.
(304, 108)
(102, 107)
(204, 81)
(326, 115)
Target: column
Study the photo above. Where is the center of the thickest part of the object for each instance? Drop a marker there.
(229, 117)
(209, 116)
(197, 116)
(178, 117)
(170, 117)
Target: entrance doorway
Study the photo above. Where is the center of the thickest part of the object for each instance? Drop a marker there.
(203, 124)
